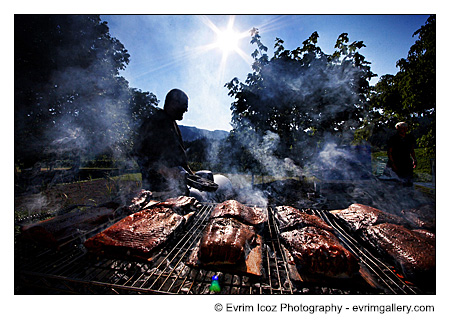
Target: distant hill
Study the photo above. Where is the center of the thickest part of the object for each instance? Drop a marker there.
(191, 133)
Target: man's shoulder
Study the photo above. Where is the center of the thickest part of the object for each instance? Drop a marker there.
(411, 139)
(158, 117)
(156, 113)
(393, 138)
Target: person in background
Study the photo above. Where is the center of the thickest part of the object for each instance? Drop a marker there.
(401, 154)
(159, 148)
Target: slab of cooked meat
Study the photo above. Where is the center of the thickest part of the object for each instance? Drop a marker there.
(291, 218)
(229, 242)
(426, 235)
(139, 235)
(317, 251)
(56, 230)
(358, 217)
(135, 201)
(183, 205)
(414, 251)
(225, 241)
(240, 212)
(141, 199)
(421, 217)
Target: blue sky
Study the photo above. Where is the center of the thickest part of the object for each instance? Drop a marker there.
(174, 51)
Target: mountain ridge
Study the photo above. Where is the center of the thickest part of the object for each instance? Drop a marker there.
(191, 133)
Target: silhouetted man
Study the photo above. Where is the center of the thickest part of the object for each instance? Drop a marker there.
(160, 150)
(401, 154)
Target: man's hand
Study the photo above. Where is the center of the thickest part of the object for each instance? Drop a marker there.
(394, 167)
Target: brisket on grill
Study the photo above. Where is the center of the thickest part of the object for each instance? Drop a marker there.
(317, 251)
(421, 217)
(240, 212)
(230, 242)
(413, 250)
(142, 234)
(226, 241)
(133, 202)
(428, 236)
(140, 201)
(183, 205)
(358, 217)
(291, 218)
(137, 235)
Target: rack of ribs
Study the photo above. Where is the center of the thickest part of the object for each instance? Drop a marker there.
(313, 246)
(142, 235)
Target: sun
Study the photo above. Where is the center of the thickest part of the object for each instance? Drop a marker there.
(228, 40)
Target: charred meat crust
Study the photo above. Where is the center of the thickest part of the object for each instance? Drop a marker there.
(137, 234)
(144, 233)
(421, 217)
(413, 250)
(226, 241)
(317, 251)
(291, 218)
(231, 239)
(240, 212)
(357, 217)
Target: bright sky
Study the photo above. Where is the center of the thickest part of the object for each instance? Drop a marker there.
(168, 52)
(199, 54)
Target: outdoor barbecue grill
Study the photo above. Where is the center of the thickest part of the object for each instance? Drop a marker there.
(71, 269)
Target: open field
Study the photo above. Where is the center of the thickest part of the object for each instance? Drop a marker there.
(94, 191)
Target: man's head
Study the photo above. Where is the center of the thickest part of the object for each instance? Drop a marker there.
(176, 104)
(402, 128)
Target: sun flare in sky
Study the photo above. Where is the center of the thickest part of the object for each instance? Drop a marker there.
(227, 41)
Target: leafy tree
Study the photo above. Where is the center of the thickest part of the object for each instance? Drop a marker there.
(410, 95)
(68, 92)
(417, 79)
(301, 95)
(142, 105)
(235, 154)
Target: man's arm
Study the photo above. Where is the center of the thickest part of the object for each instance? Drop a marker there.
(391, 159)
(413, 155)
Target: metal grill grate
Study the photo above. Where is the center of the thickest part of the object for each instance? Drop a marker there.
(70, 269)
(73, 270)
(383, 272)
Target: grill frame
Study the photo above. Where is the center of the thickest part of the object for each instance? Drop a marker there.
(72, 270)
(384, 272)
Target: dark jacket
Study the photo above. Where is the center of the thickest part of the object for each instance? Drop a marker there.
(402, 148)
(159, 142)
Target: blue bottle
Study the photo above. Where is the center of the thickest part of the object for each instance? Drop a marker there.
(215, 287)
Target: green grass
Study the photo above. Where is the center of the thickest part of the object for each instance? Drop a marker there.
(128, 177)
(422, 172)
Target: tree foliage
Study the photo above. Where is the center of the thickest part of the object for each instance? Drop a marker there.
(69, 96)
(301, 95)
(410, 95)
